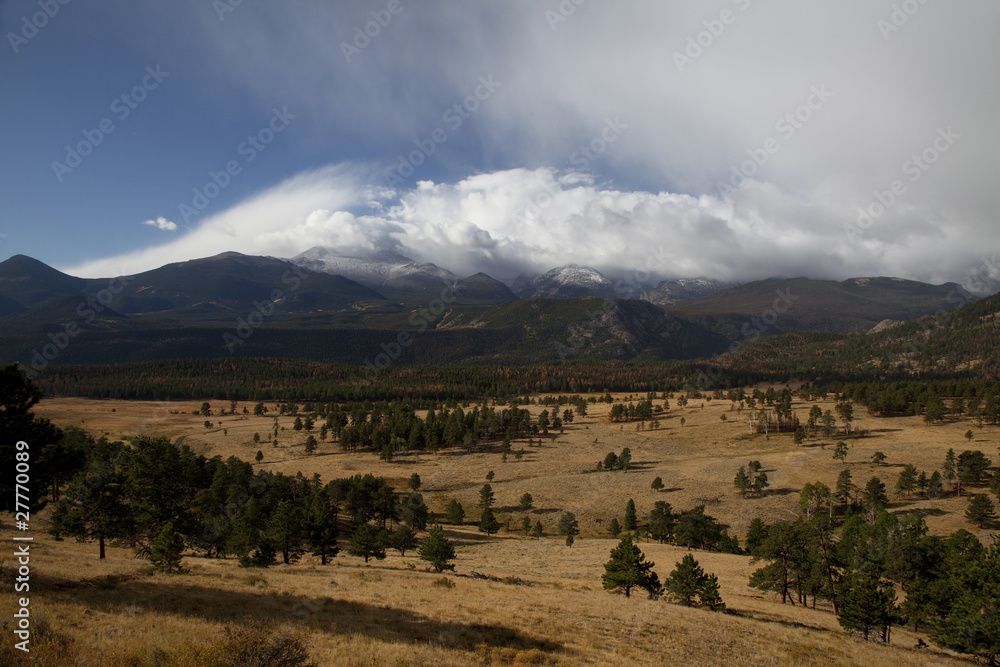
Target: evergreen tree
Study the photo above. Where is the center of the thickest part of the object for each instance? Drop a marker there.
(486, 497)
(845, 487)
(437, 550)
(414, 482)
(415, 512)
(284, 529)
(368, 542)
(488, 523)
(526, 525)
(568, 525)
(614, 527)
(167, 549)
(403, 539)
(628, 569)
(756, 534)
(868, 607)
(689, 585)
(454, 513)
(631, 521)
(907, 481)
(662, 521)
(657, 484)
(320, 525)
(980, 510)
(537, 530)
(525, 502)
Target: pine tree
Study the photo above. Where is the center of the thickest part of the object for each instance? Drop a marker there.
(488, 523)
(868, 607)
(284, 529)
(437, 550)
(403, 539)
(631, 521)
(368, 542)
(568, 525)
(689, 585)
(980, 510)
(614, 527)
(486, 497)
(454, 513)
(166, 550)
(526, 525)
(628, 569)
(657, 484)
(525, 502)
(537, 531)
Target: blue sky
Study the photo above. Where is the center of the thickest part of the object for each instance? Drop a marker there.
(733, 139)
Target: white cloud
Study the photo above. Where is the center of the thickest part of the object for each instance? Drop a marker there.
(528, 221)
(162, 223)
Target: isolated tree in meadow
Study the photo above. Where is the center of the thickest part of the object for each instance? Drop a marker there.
(403, 539)
(845, 411)
(568, 525)
(840, 451)
(206, 409)
(657, 484)
(259, 456)
(907, 481)
(486, 497)
(537, 531)
(488, 523)
(969, 435)
(490, 475)
(368, 542)
(525, 502)
(610, 461)
(949, 467)
(625, 459)
(689, 585)
(614, 527)
(631, 521)
(414, 482)
(259, 410)
(878, 458)
(297, 425)
(166, 551)
(628, 569)
(454, 513)
(437, 550)
(980, 510)
(311, 444)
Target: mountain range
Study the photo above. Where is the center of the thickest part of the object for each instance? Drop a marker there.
(330, 307)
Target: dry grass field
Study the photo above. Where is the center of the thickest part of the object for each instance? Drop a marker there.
(393, 612)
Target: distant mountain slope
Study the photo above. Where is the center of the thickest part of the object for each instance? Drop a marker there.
(28, 282)
(959, 342)
(799, 304)
(671, 292)
(571, 280)
(403, 279)
(231, 284)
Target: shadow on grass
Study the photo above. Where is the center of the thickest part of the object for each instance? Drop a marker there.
(186, 597)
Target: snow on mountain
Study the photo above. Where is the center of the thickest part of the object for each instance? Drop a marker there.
(380, 269)
(670, 292)
(565, 281)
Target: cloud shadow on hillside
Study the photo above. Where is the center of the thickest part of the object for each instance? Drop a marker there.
(340, 617)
